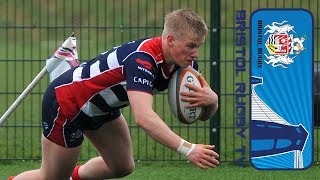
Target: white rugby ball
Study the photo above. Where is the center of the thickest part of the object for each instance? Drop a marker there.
(176, 86)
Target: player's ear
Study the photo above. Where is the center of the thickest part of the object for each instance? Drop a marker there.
(170, 40)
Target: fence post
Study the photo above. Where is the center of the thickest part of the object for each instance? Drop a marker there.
(215, 69)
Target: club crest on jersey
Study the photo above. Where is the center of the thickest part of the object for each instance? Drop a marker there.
(283, 44)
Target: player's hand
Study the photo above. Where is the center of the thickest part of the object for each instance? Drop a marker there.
(198, 97)
(204, 157)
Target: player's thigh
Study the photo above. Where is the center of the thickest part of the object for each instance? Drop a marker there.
(57, 162)
(113, 142)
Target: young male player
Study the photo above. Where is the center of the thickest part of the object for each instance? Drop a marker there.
(86, 101)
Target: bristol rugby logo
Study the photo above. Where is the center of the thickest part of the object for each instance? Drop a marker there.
(281, 103)
(283, 44)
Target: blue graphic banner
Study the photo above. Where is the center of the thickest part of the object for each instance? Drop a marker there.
(281, 105)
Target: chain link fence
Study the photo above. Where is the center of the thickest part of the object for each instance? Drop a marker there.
(31, 30)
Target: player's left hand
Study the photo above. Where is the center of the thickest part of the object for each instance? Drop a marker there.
(204, 157)
(200, 96)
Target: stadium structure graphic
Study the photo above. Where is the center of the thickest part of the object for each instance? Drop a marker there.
(270, 134)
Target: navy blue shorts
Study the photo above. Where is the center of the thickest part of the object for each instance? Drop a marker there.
(64, 131)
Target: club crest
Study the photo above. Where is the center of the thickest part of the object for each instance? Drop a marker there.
(281, 89)
(283, 44)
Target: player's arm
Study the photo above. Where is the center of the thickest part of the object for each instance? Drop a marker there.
(141, 103)
(140, 70)
(146, 118)
(204, 96)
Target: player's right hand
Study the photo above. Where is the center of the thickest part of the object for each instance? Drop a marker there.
(204, 157)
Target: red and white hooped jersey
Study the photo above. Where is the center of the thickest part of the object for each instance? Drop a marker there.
(100, 85)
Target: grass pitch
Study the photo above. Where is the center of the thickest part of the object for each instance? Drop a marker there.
(181, 170)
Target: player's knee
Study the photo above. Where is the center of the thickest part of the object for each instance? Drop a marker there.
(124, 170)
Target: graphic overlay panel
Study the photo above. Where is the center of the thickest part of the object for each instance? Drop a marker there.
(281, 106)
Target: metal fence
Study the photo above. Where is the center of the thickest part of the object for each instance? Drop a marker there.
(31, 30)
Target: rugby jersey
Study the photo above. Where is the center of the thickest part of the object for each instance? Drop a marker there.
(100, 85)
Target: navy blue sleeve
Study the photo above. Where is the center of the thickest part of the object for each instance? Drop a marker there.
(140, 70)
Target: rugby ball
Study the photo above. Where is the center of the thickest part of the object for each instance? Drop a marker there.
(176, 86)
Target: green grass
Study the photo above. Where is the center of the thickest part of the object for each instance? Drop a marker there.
(182, 170)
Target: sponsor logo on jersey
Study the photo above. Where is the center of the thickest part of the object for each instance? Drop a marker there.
(45, 125)
(77, 134)
(145, 64)
(142, 81)
(146, 71)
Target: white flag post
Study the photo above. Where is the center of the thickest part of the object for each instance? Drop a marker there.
(55, 65)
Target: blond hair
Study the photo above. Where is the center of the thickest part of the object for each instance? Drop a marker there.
(184, 22)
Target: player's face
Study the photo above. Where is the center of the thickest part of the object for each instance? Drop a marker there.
(185, 50)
